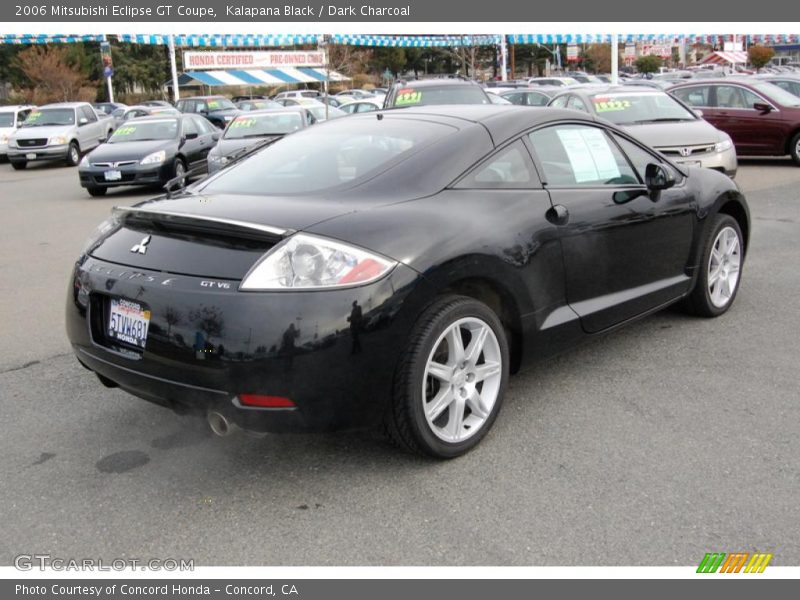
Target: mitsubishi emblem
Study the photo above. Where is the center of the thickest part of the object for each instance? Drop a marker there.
(141, 247)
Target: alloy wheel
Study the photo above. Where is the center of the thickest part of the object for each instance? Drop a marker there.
(723, 267)
(462, 380)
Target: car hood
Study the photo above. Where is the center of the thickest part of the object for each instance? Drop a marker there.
(232, 146)
(287, 212)
(688, 133)
(30, 133)
(119, 151)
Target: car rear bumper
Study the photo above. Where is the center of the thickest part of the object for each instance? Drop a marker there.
(206, 347)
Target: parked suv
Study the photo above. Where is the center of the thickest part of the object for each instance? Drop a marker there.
(761, 118)
(217, 109)
(11, 118)
(61, 131)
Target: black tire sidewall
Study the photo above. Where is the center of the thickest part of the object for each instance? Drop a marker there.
(721, 221)
(175, 167)
(70, 161)
(431, 330)
(793, 150)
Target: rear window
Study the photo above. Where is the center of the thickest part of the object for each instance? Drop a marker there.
(324, 157)
(445, 94)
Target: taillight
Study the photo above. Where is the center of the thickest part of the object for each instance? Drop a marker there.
(260, 401)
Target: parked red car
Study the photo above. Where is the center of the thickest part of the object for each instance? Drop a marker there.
(761, 118)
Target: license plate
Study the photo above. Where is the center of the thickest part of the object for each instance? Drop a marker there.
(31, 156)
(128, 322)
(689, 163)
(113, 175)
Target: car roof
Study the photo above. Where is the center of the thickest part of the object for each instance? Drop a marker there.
(419, 83)
(501, 121)
(608, 89)
(10, 107)
(274, 109)
(204, 97)
(65, 105)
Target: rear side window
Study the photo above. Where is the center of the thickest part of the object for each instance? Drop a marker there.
(576, 103)
(535, 99)
(577, 155)
(698, 95)
(510, 168)
(733, 96)
(88, 114)
(560, 102)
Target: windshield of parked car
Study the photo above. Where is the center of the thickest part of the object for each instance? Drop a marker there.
(255, 125)
(140, 131)
(50, 116)
(6, 119)
(640, 107)
(444, 94)
(324, 157)
(777, 94)
(319, 112)
(219, 104)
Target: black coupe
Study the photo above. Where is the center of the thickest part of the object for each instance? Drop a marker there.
(394, 268)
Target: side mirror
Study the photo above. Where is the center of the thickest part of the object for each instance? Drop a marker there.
(216, 135)
(83, 121)
(762, 107)
(698, 113)
(657, 177)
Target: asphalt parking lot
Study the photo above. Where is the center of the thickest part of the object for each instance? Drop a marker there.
(672, 438)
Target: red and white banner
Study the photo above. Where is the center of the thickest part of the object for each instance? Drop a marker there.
(252, 60)
(572, 53)
(662, 50)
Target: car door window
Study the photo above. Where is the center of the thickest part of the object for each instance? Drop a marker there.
(576, 103)
(515, 98)
(698, 95)
(510, 168)
(88, 114)
(536, 99)
(203, 126)
(21, 116)
(199, 106)
(638, 156)
(731, 96)
(560, 102)
(578, 155)
(189, 127)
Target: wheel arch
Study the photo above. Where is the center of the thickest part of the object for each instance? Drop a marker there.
(733, 207)
(789, 139)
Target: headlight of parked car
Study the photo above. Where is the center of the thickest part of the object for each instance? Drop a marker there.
(4, 138)
(84, 161)
(217, 159)
(309, 262)
(57, 140)
(156, 158)
(723, 145)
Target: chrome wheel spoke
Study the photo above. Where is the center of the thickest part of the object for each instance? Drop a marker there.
(440, 371)
(455, 345)
(440, 402)
(455, 422)
(486, 370)
(477, 406)
(475, 347)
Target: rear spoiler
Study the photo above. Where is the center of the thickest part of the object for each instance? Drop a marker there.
(204, 222)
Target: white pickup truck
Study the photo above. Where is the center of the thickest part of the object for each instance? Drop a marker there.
(63, 131)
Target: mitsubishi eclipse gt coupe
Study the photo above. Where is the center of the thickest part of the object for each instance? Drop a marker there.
(393, 269)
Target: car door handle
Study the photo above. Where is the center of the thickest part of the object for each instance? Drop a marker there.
(558, 214)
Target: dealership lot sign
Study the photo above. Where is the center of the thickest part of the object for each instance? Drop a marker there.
(252, 60)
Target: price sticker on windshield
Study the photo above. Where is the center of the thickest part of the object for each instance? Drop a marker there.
(34, 116)
(212, 104)
(245, 123)
(126, 130)
(602, 105)
(407, 97)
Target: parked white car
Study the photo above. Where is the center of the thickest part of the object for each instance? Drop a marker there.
(11, 117)
(62, 131)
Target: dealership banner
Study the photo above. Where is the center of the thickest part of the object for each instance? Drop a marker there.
(252, 60)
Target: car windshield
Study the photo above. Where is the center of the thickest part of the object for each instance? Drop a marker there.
(255, 125)
(50, 116)
(319, 112)
(779, 95)
(140, 131)
(445, 94)
(6, 119)
(219, 104)
(640, 107)
(325, 157)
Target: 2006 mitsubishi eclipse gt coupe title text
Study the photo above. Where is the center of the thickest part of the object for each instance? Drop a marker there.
(393, 268)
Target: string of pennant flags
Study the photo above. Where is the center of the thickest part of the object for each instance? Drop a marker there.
(398, 41)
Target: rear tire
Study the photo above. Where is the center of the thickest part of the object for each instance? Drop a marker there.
(445, 401)
(96, 192)
(794, 149)
(720, 269)
(73, 154)
(19, 165)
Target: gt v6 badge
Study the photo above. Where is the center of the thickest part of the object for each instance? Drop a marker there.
(141, 247)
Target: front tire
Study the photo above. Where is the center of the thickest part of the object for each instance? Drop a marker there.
(451, 379)
(73, 154)
(720, 269)
(96, 191)
(794, 149)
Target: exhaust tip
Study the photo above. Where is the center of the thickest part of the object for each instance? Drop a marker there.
(220, 425)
